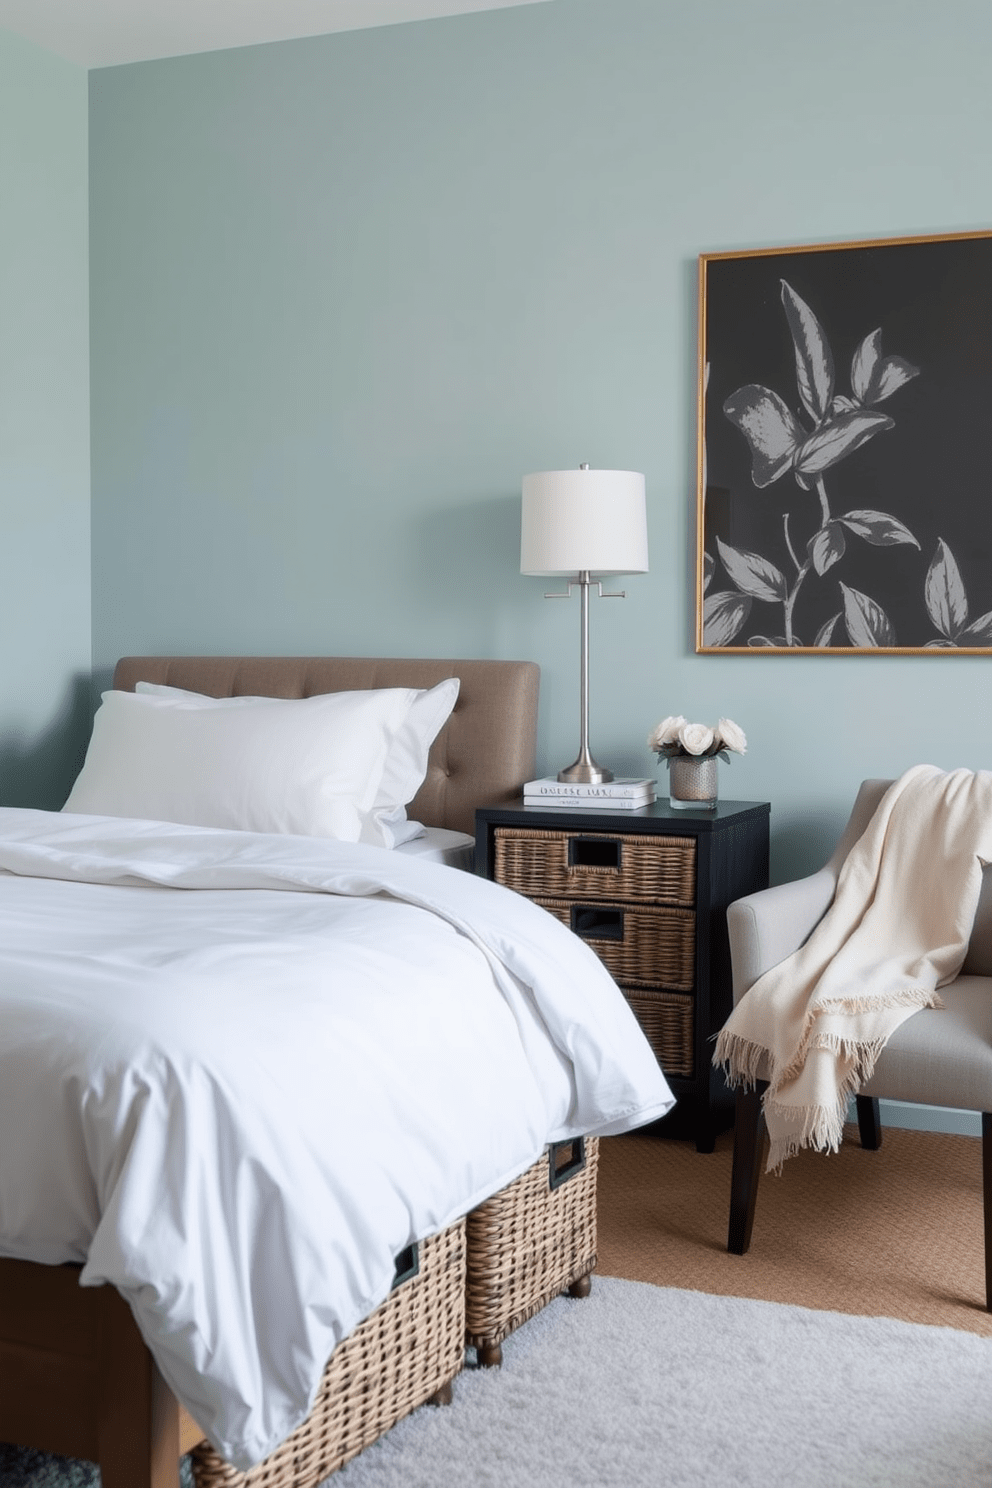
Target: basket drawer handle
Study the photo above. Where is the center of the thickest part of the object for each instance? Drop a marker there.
(407, 1265)
(605, 853)
(597, 921)
(565, 1159)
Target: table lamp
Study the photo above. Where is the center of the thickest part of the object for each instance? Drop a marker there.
(584, 525)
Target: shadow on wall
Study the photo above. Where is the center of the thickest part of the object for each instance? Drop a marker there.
(38, 772)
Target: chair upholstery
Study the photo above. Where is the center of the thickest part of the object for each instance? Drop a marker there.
(937, 1057)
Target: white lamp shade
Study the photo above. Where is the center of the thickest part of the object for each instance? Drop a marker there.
(576, 520)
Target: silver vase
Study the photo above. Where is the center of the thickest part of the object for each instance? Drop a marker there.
(692, 782)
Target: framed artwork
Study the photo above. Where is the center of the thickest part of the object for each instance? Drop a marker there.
(845, 448)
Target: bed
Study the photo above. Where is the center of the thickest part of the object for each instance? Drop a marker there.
(82, 1370)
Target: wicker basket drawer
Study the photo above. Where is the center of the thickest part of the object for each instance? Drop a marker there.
(405, 1352)
(654, 946)
(530, 1242)
(666, 1018)
(596, 865)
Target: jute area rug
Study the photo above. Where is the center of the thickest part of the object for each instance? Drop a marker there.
(644, 1385)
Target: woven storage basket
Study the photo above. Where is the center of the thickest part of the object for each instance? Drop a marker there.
(660, 870)
(411, 1347)
(530, 1242)
(666, 1019)
(654, 946)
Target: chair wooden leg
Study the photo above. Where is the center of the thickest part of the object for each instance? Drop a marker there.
(987, 1201)
(750, 1140)
(869, 1122)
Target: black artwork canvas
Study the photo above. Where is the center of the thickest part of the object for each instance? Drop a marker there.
(845, 441)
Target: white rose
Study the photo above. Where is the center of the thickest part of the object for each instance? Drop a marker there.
(666, 733)
(696, 738)
(730, 736)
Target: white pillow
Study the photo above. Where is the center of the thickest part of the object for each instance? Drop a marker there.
(306, 765)
(386, 824)
(406, 764)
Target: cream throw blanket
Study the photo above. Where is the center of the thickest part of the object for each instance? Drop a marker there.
(898, 928)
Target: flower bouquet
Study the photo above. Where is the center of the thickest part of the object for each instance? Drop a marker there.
(676, 736)
(691, 751)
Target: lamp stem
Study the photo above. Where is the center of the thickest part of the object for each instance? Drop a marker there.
(585, 770)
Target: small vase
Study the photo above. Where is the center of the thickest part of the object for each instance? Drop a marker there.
(692, 782)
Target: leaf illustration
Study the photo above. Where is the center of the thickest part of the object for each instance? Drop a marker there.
(826, 631)
(877, 528)
(753, 574)
(978, 633)
(814, 360)
(723, 616)
(770, 428)
(839, 438)
(943, 591)
(874, 377)
(863, 366)
(709, 564)
(760, 640)
(892, 374)
(867, 623)
(827, 546)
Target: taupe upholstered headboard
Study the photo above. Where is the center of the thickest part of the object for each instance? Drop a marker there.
(483, 755)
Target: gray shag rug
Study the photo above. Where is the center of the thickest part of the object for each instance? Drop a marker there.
(639, 1384)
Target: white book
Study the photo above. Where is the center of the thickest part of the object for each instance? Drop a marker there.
(589, 803)
(626, 788)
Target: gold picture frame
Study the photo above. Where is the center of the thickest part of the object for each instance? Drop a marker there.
(844, 501)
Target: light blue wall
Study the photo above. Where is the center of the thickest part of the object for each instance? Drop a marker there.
(346, 291)
(44, 425)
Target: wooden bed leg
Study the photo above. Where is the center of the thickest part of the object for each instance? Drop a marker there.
(869, 1122)
(138, 1416)
(581, 1286)
(489, 1355)
(750, 1138)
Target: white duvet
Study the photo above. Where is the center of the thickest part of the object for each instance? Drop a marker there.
(239, 1073)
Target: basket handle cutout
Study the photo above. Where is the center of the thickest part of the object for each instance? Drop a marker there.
(407, 1265)
(602, 853)
(565, 1159)
(597, 922)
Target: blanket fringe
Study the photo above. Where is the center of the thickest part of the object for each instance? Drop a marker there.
(818, 1126)
(821, 1127)
(740, 1058)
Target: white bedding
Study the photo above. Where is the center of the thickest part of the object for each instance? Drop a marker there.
(441, 845)
(238, 1104)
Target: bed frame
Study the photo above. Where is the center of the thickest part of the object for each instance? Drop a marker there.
(75, 1375)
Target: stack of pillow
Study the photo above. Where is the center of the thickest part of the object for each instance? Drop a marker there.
(339, 764)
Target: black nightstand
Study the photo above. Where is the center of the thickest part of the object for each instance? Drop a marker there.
(649, 891)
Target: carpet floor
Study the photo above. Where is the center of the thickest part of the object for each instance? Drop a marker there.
(893, 1233)
(643, 1385)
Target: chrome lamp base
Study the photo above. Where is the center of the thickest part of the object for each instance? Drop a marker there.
(585, 771)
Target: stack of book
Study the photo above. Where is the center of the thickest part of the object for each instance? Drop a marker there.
(612, 795)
